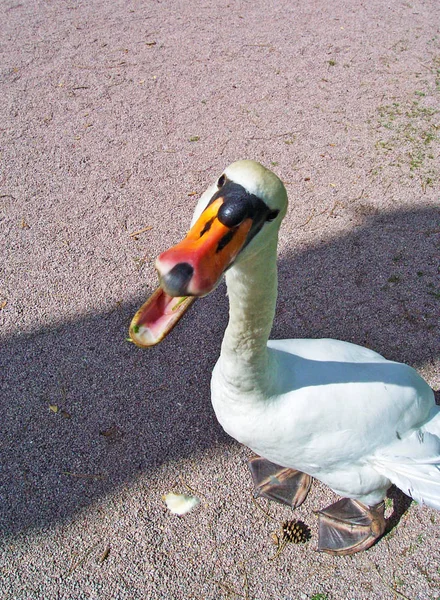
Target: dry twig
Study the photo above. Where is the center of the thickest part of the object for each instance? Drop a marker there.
(265, 512)
(136, 233)
(105, 554)
(393, 589)
(229, 589)
(312, 216)
(78, 563)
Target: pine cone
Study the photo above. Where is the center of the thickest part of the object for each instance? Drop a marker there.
(295, 532)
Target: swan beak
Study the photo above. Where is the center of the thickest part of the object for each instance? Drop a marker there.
(194, 266)
(191, 269)
(157, 317)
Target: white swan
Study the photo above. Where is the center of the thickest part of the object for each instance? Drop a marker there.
(308, 408)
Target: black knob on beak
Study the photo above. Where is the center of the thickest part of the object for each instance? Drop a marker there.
(176, 281)
(233, 212)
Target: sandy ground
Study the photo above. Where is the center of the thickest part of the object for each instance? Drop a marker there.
(114, 117)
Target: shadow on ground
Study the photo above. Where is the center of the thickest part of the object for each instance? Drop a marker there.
(84, 411)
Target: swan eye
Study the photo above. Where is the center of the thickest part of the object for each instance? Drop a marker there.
(221, 181)
(272, 215)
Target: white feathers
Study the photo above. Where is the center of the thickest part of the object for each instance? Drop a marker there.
(180, 504)
(413, 464)
(420, 481)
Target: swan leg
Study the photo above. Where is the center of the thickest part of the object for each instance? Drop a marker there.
(348, 526)
(281, 484)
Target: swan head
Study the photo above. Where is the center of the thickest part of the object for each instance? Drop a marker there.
(236, 215)
(255, 179)
(234, 218)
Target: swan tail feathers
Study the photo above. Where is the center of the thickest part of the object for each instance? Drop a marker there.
(414, 467)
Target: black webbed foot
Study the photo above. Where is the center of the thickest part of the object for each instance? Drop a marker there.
(348, 526)
(281, 484)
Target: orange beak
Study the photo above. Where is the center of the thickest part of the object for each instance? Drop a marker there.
(195, 265)
(191, 268)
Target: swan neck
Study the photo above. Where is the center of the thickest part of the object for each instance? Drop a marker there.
(252, 291)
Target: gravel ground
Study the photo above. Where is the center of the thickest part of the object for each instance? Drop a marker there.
(115, 116)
